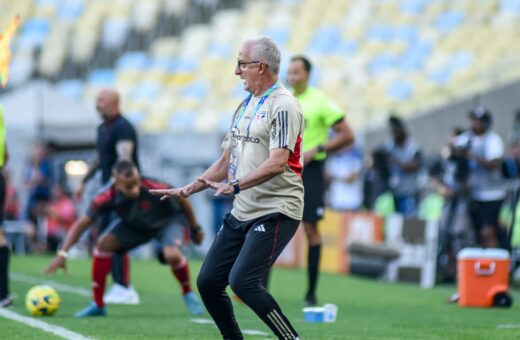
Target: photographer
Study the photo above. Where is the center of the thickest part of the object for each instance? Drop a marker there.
(486, 186)
(449, 177)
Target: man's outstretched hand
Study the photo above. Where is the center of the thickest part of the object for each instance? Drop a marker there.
(174, 192)
(220, 188)
(58, 262)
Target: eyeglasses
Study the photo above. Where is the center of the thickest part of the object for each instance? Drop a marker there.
(242, 64)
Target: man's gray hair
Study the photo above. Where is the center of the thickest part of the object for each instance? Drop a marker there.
(264, 49)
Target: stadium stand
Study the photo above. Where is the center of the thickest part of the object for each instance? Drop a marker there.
(173, 60)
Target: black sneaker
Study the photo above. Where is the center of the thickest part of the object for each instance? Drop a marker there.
(6, 302)
(310, 301)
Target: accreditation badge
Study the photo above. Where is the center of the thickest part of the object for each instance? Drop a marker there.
(236, 150)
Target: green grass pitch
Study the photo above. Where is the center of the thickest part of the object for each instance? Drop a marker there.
(367, 309)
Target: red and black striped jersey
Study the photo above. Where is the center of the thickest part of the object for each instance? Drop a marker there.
(147, 210)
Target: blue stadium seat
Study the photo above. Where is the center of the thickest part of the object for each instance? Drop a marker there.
(412, 7)
(196, 90)
(34, 32)
(133, 61)
(72, 88)
(280, 35)
(36, 25)
(415, 56)
(383, 62)
(70, 9)
(382, 32)
(379, 32)
(509, 6)
(326, 40)
(183, 66)
(220, 50)
(448, 21)
(441, 76)
(348, 47)
(164, 64)
(47, 3)
(103, 77)
(461, 61)
(400, 90)
(406, 33)
(146, 91)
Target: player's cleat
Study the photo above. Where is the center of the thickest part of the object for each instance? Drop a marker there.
(6, 302)
(310, 301)
(192, 302)
(91, 310)
(121, 295)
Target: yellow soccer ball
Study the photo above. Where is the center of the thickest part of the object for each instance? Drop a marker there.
(42, 301)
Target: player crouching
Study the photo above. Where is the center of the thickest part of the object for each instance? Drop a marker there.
(141, 218)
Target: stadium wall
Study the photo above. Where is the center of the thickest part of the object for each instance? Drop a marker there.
(432, 127)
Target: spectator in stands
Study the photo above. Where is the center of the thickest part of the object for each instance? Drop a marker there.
(403, 161)
(12, 208)
(344, 172)
(486, 186)
(377, 177)
(450, 179)
(116, 140)
(60, 215)
(38, 180)
(321, 115)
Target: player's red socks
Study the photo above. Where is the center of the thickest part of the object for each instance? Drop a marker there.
(182, 273)
(101, 266)
(126, 270)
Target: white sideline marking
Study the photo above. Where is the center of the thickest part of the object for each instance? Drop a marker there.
(203, 321)
(44, 326)
(508, 326)
(245, 331)
(59, 286)
(254, 332)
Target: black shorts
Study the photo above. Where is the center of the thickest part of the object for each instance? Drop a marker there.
(314, 185)
(485, 213)
(2, 197)
(130, 237)
(247, 249)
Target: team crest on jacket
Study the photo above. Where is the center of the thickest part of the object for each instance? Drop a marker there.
(261, 115)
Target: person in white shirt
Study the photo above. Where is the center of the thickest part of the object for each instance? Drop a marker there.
(344, 170)
(486, 186)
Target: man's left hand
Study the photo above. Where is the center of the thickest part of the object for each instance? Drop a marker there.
(220, 188)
